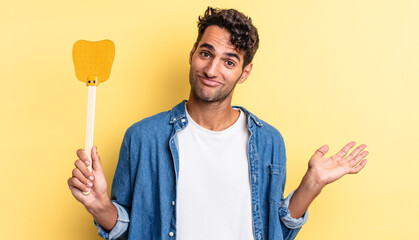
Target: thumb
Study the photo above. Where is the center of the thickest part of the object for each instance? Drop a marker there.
(96, 163)
(321, 151)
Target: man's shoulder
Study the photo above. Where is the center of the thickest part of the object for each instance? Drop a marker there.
(270, 132)
(262, 128)
(158, 123)
(269, 129)
(149, 124)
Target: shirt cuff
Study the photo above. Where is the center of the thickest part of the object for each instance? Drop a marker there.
(120, 227)
(285, 215)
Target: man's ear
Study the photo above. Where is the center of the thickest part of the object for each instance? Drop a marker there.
(192, 52)
(246, 73)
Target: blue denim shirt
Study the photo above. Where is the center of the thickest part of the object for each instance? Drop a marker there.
(145, 181)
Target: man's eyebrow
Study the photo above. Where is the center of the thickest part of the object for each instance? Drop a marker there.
(233, 55)
(210, 47)
(207, 45)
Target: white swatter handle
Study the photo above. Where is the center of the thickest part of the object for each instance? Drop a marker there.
(90, 123)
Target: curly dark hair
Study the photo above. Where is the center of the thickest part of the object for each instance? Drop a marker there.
(244, 36)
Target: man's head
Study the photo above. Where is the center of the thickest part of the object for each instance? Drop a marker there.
(222, 56)
(244, 36)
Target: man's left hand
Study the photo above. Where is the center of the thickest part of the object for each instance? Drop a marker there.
(322, 171)
(328, 170)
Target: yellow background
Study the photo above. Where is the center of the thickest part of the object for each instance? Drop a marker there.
(327, 72)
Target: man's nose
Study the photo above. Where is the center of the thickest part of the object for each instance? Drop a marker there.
(212, 68)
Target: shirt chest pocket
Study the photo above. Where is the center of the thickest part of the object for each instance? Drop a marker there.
(276, 176)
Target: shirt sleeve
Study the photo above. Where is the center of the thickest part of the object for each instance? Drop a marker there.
(120, 195)
(121, 227)
(285, 215)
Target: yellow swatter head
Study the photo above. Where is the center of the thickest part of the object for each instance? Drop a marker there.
(93, 60)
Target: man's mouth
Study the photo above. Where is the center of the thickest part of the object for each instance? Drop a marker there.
(209, 82)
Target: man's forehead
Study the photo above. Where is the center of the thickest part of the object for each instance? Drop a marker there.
(215, 37)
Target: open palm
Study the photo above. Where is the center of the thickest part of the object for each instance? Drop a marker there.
(331, 169)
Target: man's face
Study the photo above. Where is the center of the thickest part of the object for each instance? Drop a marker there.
(215, 66)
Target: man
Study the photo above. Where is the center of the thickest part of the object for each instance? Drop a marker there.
(205, 169)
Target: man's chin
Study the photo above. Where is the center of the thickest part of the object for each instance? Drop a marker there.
(201, 97)
(209, 99)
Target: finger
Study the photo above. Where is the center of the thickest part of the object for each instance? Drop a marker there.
(358, 168)
(82, 155)
(342, 153)
(97, 164)
(321, 151)
(355, 152)
(74, 183)
(77, 174)
(358, 158)
(82, 166)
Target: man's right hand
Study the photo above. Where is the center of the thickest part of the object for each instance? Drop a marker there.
(84, 181)
(97, 202)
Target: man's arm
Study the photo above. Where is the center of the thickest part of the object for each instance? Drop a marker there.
(322, 171)
(97, 202)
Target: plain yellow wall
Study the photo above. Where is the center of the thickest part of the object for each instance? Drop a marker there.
(327, 72)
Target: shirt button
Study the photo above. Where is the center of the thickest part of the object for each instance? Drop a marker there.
(171, 234)
(183, 120)
(174, 119)
(173, 203)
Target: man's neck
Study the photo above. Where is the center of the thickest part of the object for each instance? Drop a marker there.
(214, 116)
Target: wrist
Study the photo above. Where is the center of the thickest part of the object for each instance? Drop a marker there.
(312, 182)
(105, 213)
(103, 204)
(309, 188)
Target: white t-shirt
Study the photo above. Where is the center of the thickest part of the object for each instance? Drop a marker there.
(214, 198)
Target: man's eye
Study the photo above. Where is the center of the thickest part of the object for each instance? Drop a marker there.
(205, 54)
(230, 63)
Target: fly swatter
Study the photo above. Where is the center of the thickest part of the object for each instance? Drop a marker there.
(93, 62)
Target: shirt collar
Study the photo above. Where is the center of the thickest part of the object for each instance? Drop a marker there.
(178, 112)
